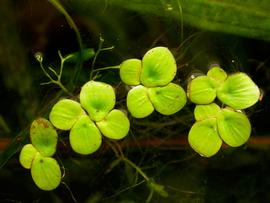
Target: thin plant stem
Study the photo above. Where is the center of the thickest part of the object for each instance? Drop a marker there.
(107, 68)
(114, 150)
(45, 72)
(128, 188)
(72, 24)
(62, 65)
(100, 49)
(138, 169)
(71, 193)
(181, 20)
(58, 81)
(149, 198)
(119, 154)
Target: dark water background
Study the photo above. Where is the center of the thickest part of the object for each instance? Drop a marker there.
(27, 27)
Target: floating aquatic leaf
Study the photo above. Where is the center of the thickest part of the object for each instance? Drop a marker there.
(138, 102)
(169, 99)
(27, 155)
(158, 67)
(98, 99)
(43, 136)
(46, 172)
(217, 73)
(85, 55)
(233, 127)
(65, 113)
(115, 125)
(85, 138)
(205, 111)
(239, 91)
(130, 71)
(203, 137)
(201, 90)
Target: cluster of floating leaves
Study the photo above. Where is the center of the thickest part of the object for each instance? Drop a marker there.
(214, 124)
(90, 118)
(152, 89)
(151, 80)
(87, 121)
(37, 156)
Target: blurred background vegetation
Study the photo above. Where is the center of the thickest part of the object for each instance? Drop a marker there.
(235, 34)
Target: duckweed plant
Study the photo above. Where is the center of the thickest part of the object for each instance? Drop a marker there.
(219, 99)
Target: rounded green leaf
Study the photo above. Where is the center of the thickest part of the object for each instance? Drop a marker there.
(65, 113)
(130, 71)
(217, 74)
(203, 137)
(98, 99)
(239, 91)
(205, 111)
(158, 67)
(27, 155)
(85, 138)
(201, 90)
(138, 102)
(115, 125)
(233, 127)
(43, 136)
(46, 172)
(169, 99)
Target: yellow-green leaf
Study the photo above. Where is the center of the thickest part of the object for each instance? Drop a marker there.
(233, 127)
(138, 102)
(169, 99)
(27, 155)
(115, 125)
(201, 90)
(217, 74)
(65, 113)
(98, 99)
(205, 111)
(85, 138)
(203, 137)
(46, 172)
(158, 67)
(43, 136)
(239, 91)
(130, 71)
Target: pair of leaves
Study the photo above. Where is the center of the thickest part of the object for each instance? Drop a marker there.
(45, 170)
(214, 125)
(98, 99)
(237, 90)
(167, 100)
(152, 76)
(157, 68)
